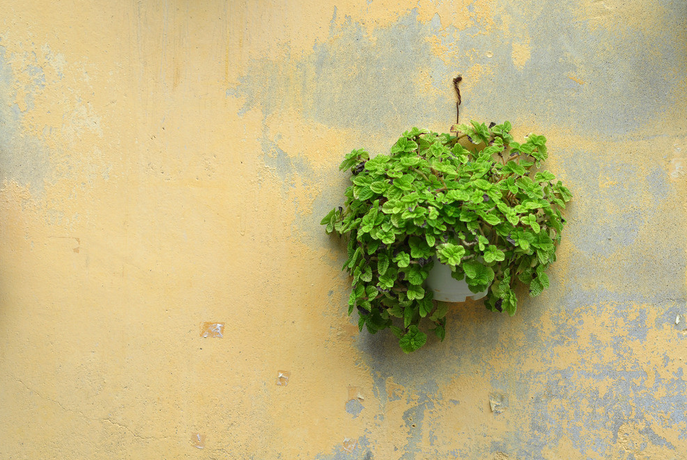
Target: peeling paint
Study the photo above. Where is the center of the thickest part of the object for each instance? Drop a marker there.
(215, 330)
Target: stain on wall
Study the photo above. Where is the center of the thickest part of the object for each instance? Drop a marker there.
(24, 158)
(165, 285)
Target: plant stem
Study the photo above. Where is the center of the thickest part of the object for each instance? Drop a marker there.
(422, 174)
(436, 173)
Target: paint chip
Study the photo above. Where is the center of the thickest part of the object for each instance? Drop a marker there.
(198, 440)
(349, 445)
(498, 402)
(579, 81)
(354, 393)
(214, 330)
(677, 168)
(283, 378)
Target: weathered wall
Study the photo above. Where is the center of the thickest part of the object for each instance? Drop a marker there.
(166, 164)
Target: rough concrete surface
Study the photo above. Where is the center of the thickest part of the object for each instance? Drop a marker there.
(166, 290)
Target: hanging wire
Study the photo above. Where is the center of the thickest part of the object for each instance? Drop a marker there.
(456, 81)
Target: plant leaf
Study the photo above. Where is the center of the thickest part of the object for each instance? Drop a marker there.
(404, 182)
(362, 193)
(478, 274)
(536, 287)
(379, 186)
(492, 219)
(425, 306)
(450, 254)
(440, 312)
(412, 340)
(382, 263)
(415, 292)
(440, 332)
(416, 275)
(402, 259)
(494, 254)
(408, 314)
(397, 331)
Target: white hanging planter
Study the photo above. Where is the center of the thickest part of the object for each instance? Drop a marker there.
(448, 289)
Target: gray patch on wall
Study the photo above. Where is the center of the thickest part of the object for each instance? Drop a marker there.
(414, 418)
(374, 82)
(607, 251)
(286, 167)
(354, 82)
(23, 158)
(354, 407)
(361, 452)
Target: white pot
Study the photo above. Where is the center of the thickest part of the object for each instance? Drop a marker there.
(448, 289)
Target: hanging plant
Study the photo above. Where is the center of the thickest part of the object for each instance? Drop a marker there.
(475, 201)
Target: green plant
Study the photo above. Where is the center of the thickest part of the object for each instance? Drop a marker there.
(476, 201)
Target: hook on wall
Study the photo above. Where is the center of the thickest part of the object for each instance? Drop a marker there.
(456, 81)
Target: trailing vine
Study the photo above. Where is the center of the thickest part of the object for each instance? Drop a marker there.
(476, 201)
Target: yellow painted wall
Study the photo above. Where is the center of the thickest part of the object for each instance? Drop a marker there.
(165, 164)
